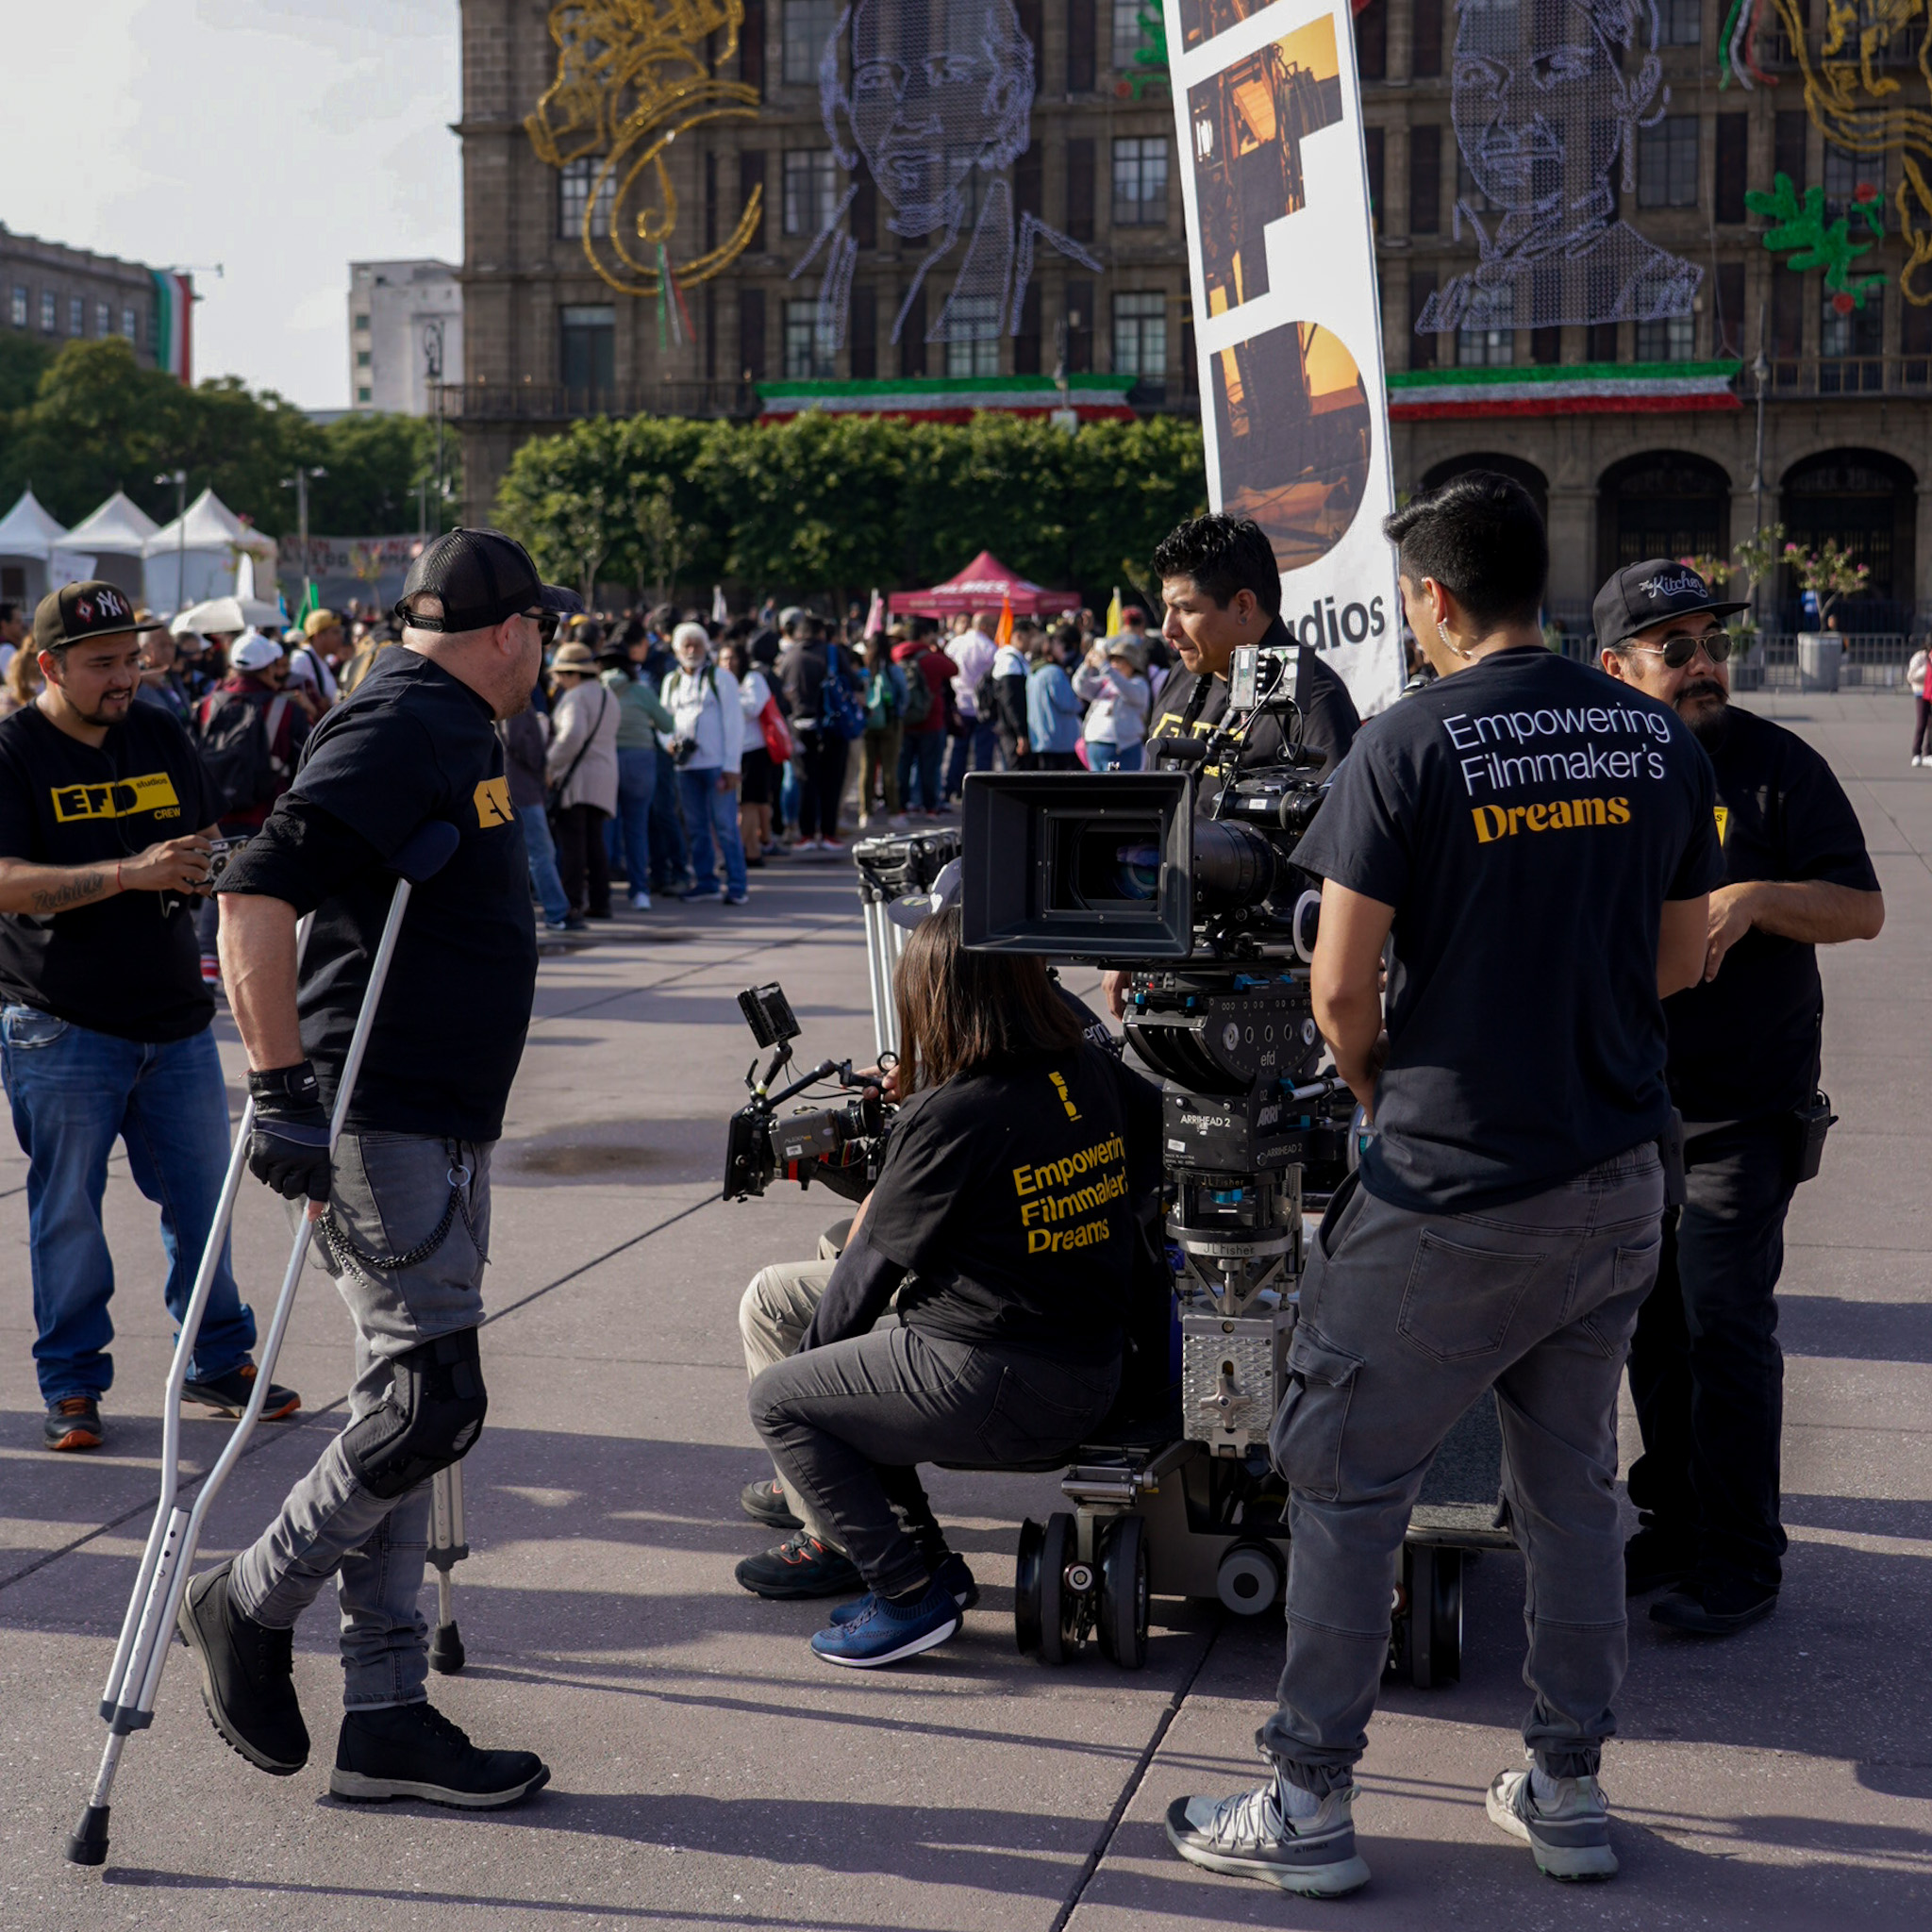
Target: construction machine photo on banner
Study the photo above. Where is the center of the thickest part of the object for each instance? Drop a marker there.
(1287, 318)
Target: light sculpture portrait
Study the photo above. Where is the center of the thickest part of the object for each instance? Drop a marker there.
(631, 76)
(1546, 115)
(938, 108)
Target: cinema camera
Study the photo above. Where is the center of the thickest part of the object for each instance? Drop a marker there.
(1215, 925)
(840, 1147)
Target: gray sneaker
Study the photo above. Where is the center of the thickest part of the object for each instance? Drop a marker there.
(1247, 1837)
(1570, 1838)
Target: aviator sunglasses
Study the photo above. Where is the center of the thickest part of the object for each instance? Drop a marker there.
(1680, 648)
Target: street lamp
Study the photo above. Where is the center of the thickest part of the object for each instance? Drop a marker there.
(432, 370)
(1760, 371)
(299, 484)
(179, 480)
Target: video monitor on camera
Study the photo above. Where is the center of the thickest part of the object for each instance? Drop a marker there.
(1081, 864)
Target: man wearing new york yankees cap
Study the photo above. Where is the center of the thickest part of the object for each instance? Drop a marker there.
(403, 1211)
(106, 820)
(1707, 1375)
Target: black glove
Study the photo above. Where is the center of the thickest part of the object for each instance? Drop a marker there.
(288, 1148)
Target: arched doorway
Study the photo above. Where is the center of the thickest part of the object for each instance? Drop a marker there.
(1866, 503)
(1514, 468)
(1664, 503)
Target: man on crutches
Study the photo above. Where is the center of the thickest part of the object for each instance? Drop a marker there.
(403, 1212)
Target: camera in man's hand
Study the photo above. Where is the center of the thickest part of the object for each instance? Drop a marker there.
(839, 1146)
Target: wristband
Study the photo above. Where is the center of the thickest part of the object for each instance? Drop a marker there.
(296, 1084)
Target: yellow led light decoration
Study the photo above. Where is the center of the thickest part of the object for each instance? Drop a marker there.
(631, 76)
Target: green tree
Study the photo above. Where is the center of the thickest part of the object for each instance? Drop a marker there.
(373, 464)
(23, 361)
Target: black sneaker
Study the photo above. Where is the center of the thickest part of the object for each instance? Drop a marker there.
(1656, 1559)
(1714, 1606)
(1247, 1837)
(227, 1395)
(801, 1566)
(413, 1751)
(72, 1423)
(765, 1503)
(247, 1676)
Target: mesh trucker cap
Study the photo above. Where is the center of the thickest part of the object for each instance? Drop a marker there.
(78, 611)
(1645, 593)
(482, 577)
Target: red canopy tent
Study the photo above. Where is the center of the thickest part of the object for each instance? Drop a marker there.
(983, 585)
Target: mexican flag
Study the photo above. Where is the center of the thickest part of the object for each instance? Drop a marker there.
(174, 323)
(1575, 389)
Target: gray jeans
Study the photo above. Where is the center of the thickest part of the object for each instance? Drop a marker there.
(391, 1193)
(845, 1424)
(1406, 1320)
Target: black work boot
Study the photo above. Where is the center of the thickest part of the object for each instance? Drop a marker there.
(247, 1676)
(413, 1751)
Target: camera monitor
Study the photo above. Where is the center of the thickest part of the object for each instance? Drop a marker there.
(1078, 863)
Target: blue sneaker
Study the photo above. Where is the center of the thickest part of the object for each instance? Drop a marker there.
(882, 1633)
(953, 1573)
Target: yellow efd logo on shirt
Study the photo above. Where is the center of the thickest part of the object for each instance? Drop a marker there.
(1723, 822)
(492, 803)
(121, 798)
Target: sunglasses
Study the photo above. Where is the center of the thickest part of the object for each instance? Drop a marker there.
(546, 621)
(1680, 648)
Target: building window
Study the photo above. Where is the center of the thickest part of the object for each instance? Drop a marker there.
(1674, 338)
(809, 25)
(588, 345)
(1789, 130)
(1130, 33)
(811, 190)
(1371, 40)
(1733, 141)
(130, 324)
(807, 348)
(1425, 40)
(1139, 335)
(1680, 23)
(1140, 182)
(361, 358)
(362, 323)
(1481, 347)
(362, 394)
(1667, 163)
(1852, 332)
(574, 181)
(76, 315)
(18, 309)
(49, 310)
(104, 318)
(1080, 189)
(972, 331)
(1425, 179)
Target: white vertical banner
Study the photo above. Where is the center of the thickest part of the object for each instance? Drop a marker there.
(1287, 320)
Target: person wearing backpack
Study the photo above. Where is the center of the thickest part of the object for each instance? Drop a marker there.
(928, 672)
(251, 732)
(885, 709)
(826, 718)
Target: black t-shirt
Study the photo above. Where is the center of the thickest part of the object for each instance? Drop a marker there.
(1526, 818)
(128, 965)
(411, 744)
(1009, 1195)
(1329, 721)
(1746, 1044)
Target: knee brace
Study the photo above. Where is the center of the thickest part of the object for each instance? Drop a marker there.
(431, 1417)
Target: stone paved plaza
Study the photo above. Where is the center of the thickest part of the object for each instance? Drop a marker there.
(707, 1772)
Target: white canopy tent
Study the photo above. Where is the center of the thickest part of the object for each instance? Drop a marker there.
(197, 556)
(114, 536)
(34, 546)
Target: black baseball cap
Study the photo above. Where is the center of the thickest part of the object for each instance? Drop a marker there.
(1649, 593)
(77, 612)
(482, 577)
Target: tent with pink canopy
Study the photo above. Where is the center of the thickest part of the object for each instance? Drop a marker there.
(985, 584)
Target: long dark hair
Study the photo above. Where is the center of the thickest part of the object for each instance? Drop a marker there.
(959, 1010)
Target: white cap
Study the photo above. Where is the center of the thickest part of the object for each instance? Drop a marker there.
(254, 652)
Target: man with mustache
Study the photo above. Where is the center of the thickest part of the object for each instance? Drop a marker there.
(1705, 1371)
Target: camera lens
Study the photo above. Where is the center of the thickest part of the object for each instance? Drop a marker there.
(1137, 870)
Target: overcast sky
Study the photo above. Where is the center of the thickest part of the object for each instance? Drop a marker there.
(283, 138)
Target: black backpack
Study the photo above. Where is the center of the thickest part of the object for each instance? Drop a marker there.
(237, 731)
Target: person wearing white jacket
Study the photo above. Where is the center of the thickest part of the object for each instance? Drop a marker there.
(706, 748)
(1113, 681)
(1918, 682)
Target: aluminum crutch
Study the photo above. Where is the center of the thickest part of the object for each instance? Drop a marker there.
(127, 1703)
(447, 1548)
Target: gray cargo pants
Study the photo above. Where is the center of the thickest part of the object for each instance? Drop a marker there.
(1406, 1320)
(391, 1193)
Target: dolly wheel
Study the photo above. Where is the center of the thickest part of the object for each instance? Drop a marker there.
(1123, 1592)
(1057, 1547)
(1026, 1588)
(1445, 1618)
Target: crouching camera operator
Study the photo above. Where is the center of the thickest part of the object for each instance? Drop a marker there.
(1004, 1219)
(1540, 844)
(404, 1205)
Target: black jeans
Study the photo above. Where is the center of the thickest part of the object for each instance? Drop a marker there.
(1921, 725)
(583, 860)
(1707, 1375)
(821, 783)
(846, 1424)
